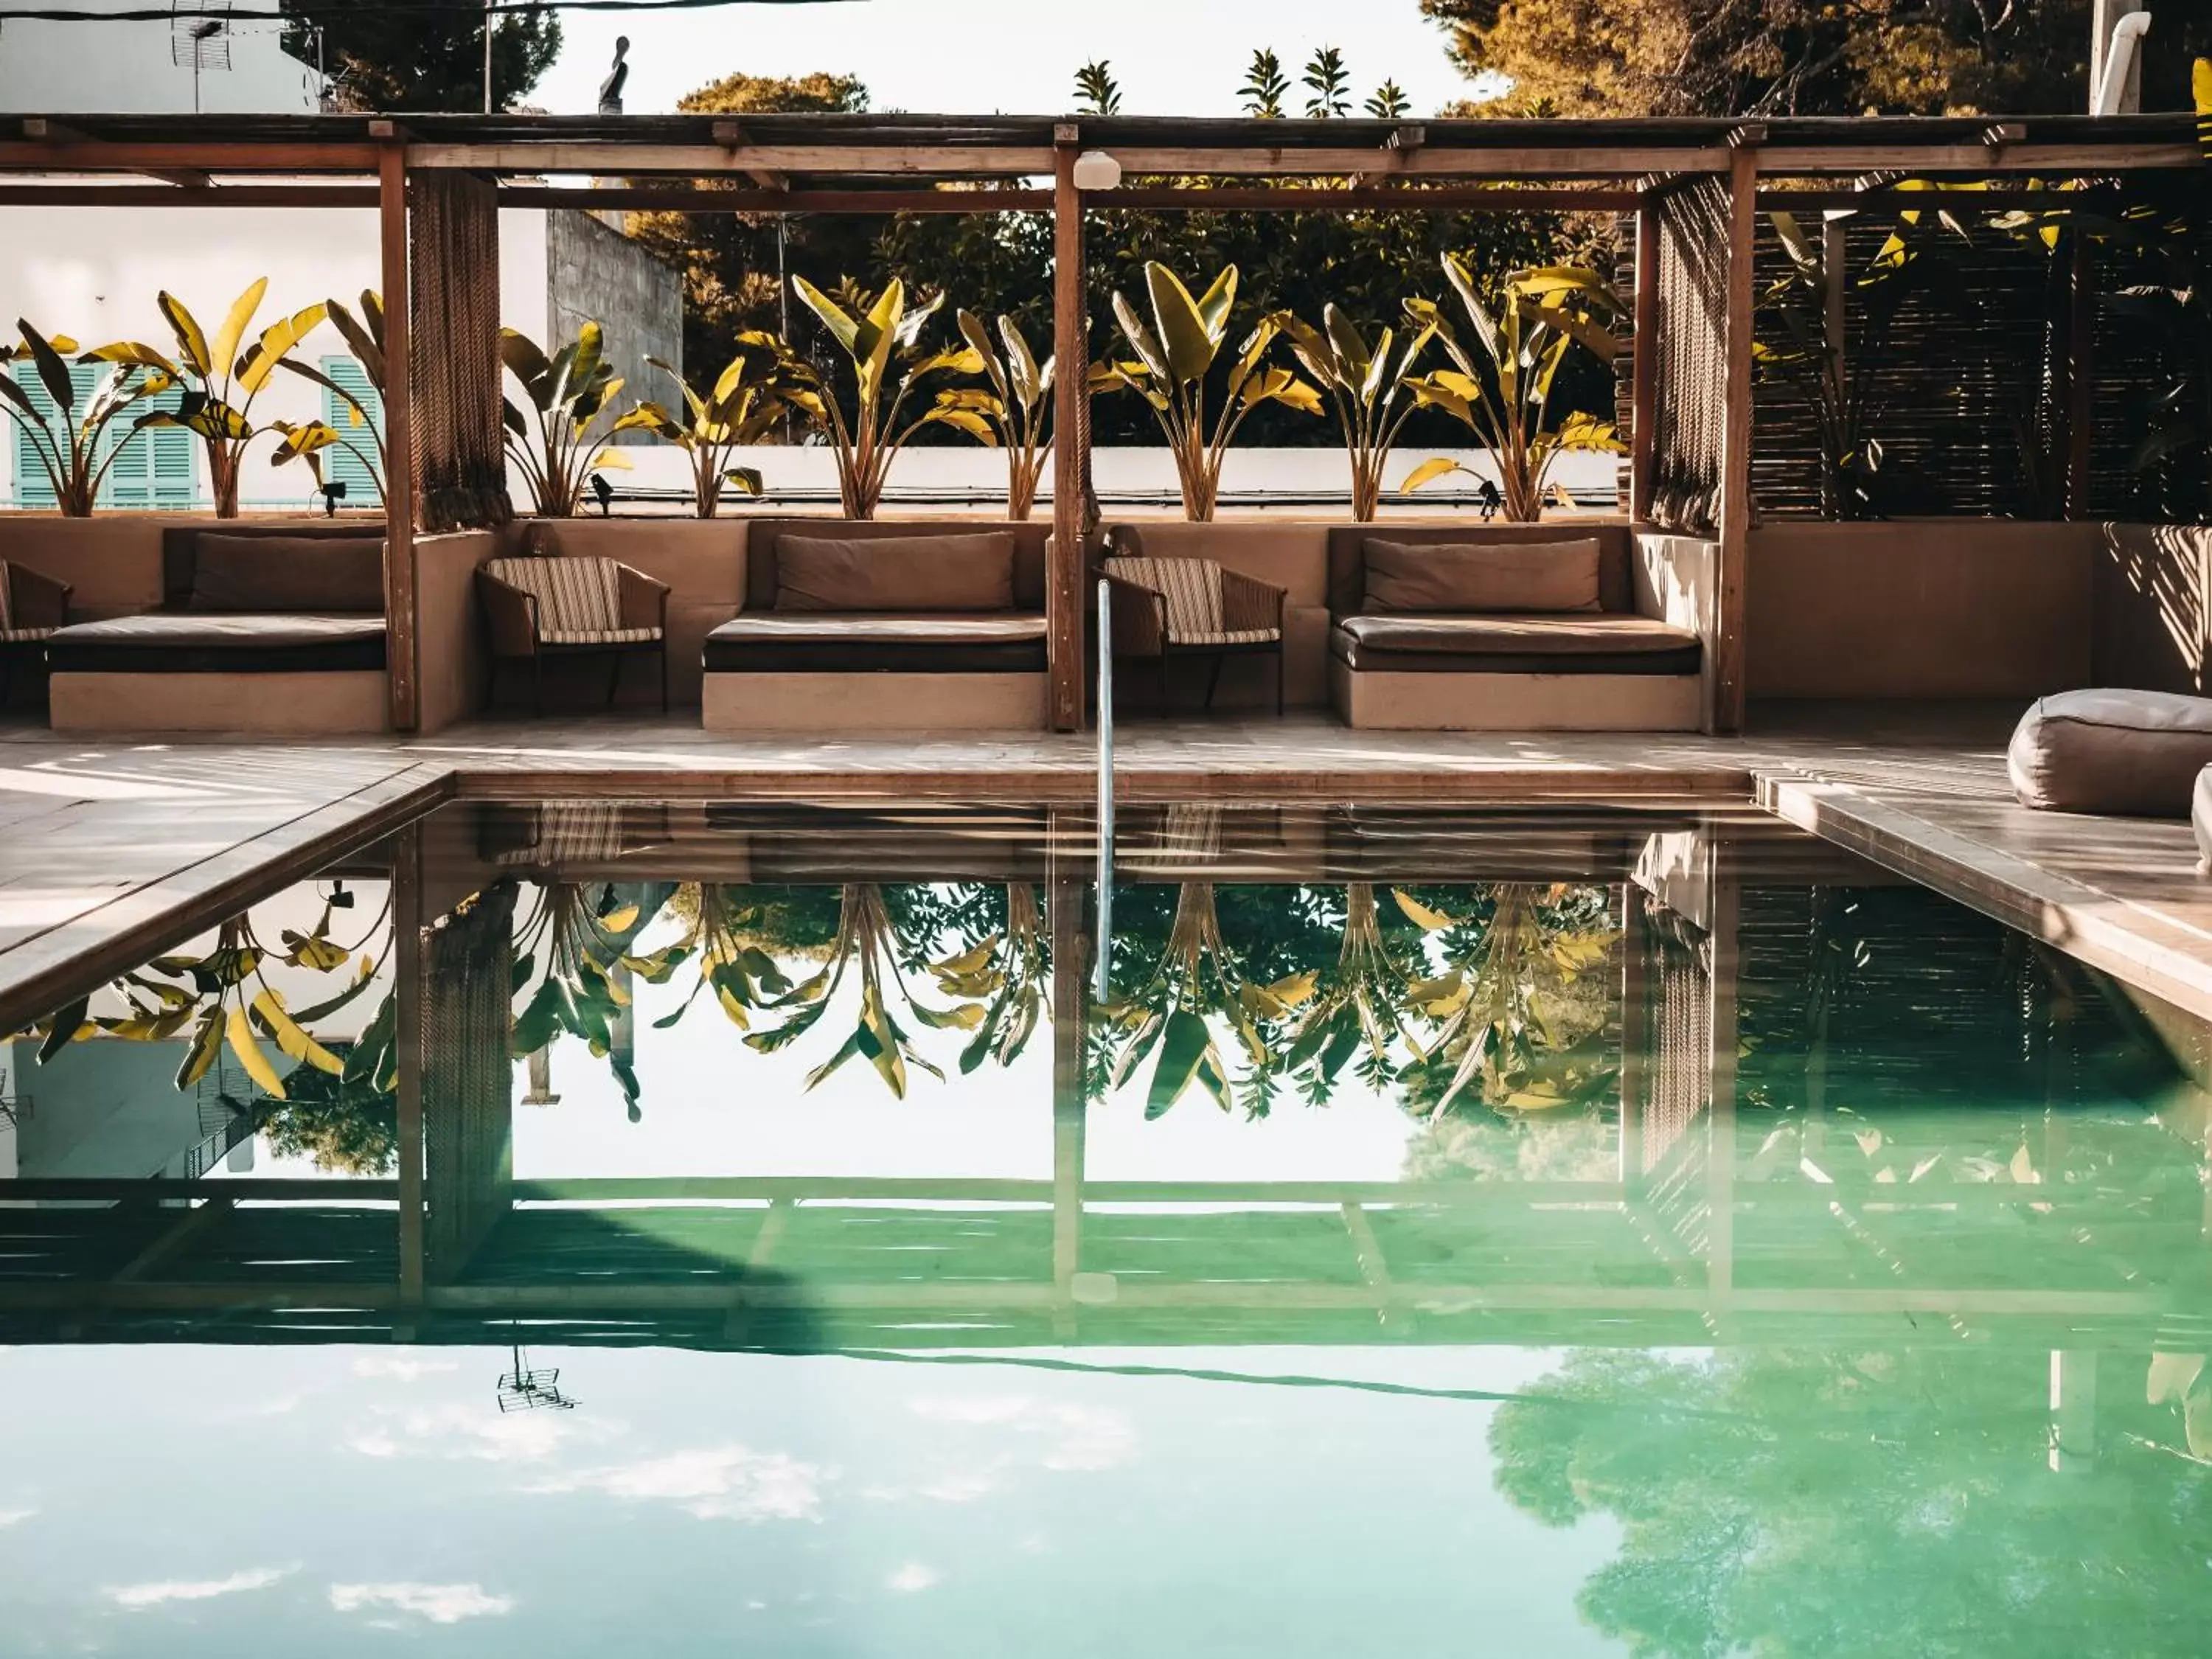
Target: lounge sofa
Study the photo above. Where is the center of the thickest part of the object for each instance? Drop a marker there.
(262, 630)
(1505, 627)
(866, 627)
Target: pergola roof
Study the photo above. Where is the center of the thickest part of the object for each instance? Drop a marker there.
(1009, 146)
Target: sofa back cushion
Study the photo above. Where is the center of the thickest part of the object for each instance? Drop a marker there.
(972, 571)
(1347, 554)
(765, 539)
(1481, 578)
(286, 573)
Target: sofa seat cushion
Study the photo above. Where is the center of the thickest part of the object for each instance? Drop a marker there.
(2126, 754)
(229, 642)
(824, 643)
(1574, 643)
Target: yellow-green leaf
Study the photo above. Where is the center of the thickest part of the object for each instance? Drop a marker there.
(291, 1038)
(247, 1048)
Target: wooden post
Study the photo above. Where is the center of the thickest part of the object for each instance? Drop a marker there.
(1071, 454)
(1728, 653)
(407, 920)
(2080, 375)
(1635, 1035)
(399, 642)
(1643, 365)
(1720, 1099)
(1071, 1008)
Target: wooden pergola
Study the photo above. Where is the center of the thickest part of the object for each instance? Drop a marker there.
(1695, 188)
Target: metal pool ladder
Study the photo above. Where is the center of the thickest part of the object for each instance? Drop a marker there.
(1102, 958)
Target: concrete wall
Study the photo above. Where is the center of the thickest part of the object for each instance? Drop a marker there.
(1943, 607)
(594, 274)
(2153, 586)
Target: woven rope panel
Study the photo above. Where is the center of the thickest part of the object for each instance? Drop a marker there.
(1690, 358)
(1679, 1078)
(460, 462)
(468, 1110)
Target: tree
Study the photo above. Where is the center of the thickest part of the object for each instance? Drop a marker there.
(1798, 57)
(1096, 91)
(428, 58)
(1329, 85)
(1265, 87)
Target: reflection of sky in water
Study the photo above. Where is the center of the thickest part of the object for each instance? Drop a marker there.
(304, 1500)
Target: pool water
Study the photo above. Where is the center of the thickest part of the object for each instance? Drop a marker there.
(576, 1228)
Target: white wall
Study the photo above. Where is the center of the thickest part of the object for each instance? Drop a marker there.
(118, 68)
(94, 273)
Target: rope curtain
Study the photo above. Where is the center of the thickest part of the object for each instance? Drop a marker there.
(1691, 357)
(467, 1078)
(460, 463)
(1679, 1024)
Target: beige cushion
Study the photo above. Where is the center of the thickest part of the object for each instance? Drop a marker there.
(2128, 754)
(1489, 576)
(276, 574)
(2200, 819)
(907, 573)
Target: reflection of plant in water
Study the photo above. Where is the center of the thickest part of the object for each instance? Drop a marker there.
(1799, 1503)
(1197, 975)
(1522, 1021)
(1359, 1010)
(347, 1122)
(742, 977)
(1552, 1145)
(867, 940)
(575, 941)
(224, 998)
(1011, 968)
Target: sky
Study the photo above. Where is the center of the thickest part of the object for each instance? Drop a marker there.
(1015, 57)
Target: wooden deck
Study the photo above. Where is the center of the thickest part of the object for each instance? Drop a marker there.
(111, 850)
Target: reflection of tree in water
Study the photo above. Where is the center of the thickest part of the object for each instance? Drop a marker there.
(1802, 1503)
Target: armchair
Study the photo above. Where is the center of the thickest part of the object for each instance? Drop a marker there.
(1163, 607)
(32, 607)
(538, 607)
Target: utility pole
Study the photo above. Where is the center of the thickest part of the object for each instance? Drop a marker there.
(488, 5)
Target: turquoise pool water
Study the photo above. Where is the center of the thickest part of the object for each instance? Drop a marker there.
(699, 1230)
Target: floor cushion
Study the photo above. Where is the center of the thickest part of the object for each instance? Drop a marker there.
(1577, 643)
(2200, 820)
(2121, 753)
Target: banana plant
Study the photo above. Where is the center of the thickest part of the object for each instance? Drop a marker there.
(1014, 407)
(1360, 1014)
(222, 379)
(878, 333)
(1008, 972)
(362, 435)
(1174, 357)
(70, 446)
(1199, 979)
(221, 997)
(566, 394)
(1367, 387)
(748, 398)
(575, 958)
(867, 940)
(1504, 394)
(1511, 1028)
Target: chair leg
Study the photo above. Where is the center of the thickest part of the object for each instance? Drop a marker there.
(1278, 680)
(664, 677)
(538, 685)
(613, 676)
(1213, 679)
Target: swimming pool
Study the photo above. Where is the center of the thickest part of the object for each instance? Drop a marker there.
(697, 1228)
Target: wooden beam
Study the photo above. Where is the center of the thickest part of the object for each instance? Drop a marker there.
(399, 587)
(707, 199)
(189, 1225)
(1071, 434)
(1430, 162)
(730, 133)
(1433, 198)
(1735, 528)
(256, 158)
(1643, 365)
(713, 161)
(171, 196)
(407, 924)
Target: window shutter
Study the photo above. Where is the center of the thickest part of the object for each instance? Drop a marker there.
(340, 463)
(155, 468)
(33, 487)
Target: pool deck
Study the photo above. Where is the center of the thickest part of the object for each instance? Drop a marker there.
(103, 844)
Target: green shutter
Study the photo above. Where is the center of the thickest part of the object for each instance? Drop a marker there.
(340, 463)
(155, 469)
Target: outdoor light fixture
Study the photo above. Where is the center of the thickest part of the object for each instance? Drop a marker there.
(1095, 170)
(605, 494)
(333, 493)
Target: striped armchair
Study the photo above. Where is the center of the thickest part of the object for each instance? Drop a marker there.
(1163, 607)
(547, 606)
(32, 607)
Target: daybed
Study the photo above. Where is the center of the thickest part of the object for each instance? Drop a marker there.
(263, 630)
(860, 627)
(1503, 628)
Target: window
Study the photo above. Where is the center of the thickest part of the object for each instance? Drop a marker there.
(156, 468)
(352, 459)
